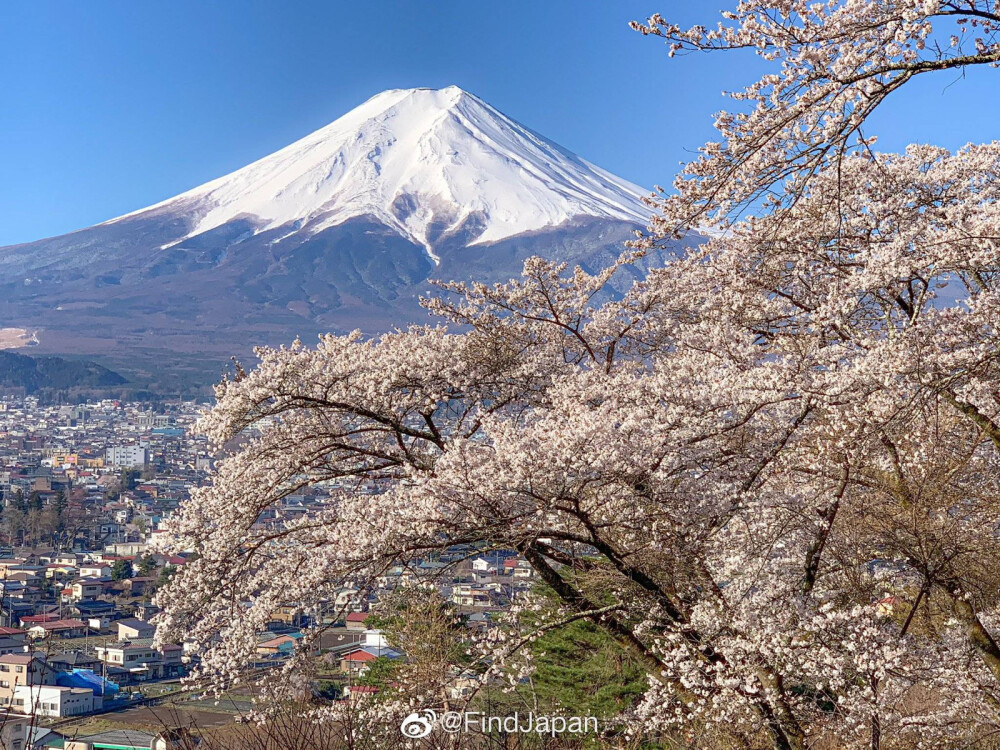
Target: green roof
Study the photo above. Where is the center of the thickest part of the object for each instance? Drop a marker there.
(120, 739)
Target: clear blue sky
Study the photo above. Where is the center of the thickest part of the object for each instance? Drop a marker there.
(108, 106)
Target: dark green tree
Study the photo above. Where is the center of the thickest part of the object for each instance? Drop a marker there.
(121, 570)
(580, 667)
(35, 501)
(381, 672)
(128, 479)
(48, 587)
(146, 565)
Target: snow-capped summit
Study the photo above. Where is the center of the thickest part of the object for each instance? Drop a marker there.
(346, 228)
(422, 161)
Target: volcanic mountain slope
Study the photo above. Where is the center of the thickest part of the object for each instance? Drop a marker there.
(341, 229)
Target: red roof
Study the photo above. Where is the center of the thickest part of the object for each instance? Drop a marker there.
(358, 616)
(35, 619)
(10, 631)
(61, 625)
(360, 655)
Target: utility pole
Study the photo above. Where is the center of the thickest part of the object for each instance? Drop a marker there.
(104, 668)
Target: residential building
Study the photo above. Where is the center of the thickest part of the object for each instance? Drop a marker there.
(13, 730)
(141, 660)
(95, 571)
(127, 457)
(61, 628)
(467, 595)
(23, 670)
(482, 565)
(132, 628)
(70, 660)
(86, 588)
(53, 701)
(356, 620)
(282, 644)
(131, 739)
(358, 661)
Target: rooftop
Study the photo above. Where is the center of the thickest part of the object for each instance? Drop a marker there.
(120, 739)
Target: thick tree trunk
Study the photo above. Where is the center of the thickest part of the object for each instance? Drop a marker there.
(978, 635)
(617, 629)
(786, 734)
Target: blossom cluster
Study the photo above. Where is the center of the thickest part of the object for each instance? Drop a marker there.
(768, 471)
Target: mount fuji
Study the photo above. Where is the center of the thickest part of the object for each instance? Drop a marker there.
(343, 229)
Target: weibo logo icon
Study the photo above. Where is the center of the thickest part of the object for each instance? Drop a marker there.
(418, 725)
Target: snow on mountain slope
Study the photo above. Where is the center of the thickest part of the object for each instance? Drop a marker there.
(422, 161)
(345, 229)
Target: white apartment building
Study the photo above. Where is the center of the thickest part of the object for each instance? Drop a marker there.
(54, 701)
(126, 457)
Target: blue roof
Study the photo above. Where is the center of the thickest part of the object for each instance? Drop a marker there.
(86, 678)
(170, 431)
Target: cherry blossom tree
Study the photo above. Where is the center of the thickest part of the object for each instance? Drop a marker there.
(769, 471)
(839, 61)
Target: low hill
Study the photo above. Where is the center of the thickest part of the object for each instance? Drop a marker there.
(38, 373)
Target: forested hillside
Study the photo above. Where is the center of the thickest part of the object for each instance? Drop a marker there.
(35, 373)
